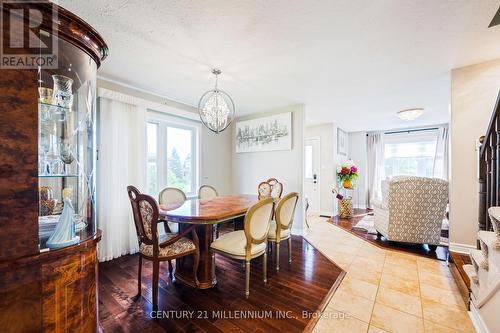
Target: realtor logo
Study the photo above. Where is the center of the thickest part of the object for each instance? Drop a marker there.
(29, 35)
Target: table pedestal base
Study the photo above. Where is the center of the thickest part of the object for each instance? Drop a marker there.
(206, 270)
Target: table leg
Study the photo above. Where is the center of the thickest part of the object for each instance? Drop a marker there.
(206, 268)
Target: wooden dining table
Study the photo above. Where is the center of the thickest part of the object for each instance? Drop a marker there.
(205, 213)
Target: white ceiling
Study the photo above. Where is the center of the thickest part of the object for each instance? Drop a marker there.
(353, 62)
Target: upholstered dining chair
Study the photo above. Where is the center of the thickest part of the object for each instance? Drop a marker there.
(249, 243)
(270, 188)
(281, 226)
(207, 192)
(171, 195)
(159, 248)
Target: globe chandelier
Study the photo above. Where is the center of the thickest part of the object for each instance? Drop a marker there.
(216, 108)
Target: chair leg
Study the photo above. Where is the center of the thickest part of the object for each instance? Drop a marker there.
(156, 274)
(195, 267)
(139, 276)
(289, 250)
(213, 263)
(247, 279)
(277, 256)
(264, 267)
(170, 269)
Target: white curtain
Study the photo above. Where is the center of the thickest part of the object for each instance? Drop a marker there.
(122, 162)
(375, 164)
(442, 152)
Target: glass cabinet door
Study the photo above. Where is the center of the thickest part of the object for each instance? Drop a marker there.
(66, 148)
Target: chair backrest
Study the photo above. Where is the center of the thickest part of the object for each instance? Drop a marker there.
(170, 195)
(207, 192)
(285, 210)
(271, 188)
(419, 200)
(257, 220)
(145, 212)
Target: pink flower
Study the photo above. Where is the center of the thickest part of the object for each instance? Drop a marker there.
(354, 169)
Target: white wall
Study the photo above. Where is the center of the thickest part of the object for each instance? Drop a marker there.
(473, 95)
(249, 169)
(358, 153)
(215, 150)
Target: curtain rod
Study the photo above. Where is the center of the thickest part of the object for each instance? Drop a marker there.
(411, 130)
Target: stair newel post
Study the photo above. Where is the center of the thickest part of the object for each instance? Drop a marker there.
(482, 187)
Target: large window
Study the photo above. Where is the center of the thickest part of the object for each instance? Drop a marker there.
(410, 153)
(172, 154)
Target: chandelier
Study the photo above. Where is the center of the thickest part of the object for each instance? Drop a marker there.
(216, 108)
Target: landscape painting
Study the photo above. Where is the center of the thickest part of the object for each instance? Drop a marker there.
(264, 134)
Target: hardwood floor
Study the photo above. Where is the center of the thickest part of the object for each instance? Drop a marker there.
(304, 286)
(441, 252)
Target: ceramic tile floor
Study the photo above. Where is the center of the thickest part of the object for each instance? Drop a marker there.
(386, 291)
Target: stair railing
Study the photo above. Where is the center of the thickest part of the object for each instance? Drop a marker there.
(489, 169)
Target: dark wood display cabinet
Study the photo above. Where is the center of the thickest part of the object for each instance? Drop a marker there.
(48, 229)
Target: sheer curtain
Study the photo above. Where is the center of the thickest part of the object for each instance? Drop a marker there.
(442, 151)
(122, 162)
(375, 164)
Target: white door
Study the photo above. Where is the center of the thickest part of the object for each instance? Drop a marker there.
(311, 174)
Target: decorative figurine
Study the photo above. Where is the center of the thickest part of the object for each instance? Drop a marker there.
(64, 234)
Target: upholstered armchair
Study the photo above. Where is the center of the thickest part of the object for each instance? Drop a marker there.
(412, 209)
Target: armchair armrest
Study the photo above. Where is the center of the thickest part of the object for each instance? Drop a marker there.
(380, 204)
(181, 234)
(165, 225)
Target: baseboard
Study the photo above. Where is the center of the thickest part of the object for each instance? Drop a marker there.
(461, 248)
(325, 214)
(476, 319)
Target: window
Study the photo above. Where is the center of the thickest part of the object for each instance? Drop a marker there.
(172, 154)
(410, 153)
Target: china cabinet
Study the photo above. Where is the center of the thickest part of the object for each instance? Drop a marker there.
(48, 230)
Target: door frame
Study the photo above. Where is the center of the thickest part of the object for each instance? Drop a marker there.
(317, 137)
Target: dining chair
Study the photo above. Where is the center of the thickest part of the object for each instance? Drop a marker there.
(270, 188)
(281, 226)
(171, 195)
(249, 243)
(157, 248)
(207, 192)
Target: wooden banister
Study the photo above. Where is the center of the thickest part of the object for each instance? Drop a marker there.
(489, 168)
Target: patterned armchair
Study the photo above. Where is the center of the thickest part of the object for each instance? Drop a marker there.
(412, 209)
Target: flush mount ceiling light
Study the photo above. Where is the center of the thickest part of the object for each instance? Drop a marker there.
(216, 108)
(410, 114)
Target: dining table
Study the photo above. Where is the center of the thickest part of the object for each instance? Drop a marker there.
(206, 214)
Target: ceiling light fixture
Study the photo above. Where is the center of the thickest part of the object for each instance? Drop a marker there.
(216, 108)
(410, 114)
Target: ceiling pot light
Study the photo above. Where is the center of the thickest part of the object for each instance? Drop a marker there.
(216, 108)
(410, 114)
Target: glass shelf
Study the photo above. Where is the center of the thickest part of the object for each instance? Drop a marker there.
(57, 176)
(53, 107)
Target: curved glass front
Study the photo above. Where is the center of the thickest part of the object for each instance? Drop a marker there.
(66, 148)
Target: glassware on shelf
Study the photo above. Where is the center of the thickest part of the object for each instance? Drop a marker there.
(63, 95)
(45, 95)
(66, 154)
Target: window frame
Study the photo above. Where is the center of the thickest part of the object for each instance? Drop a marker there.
(167, 120)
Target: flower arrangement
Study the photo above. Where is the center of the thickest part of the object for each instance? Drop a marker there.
(346, 173)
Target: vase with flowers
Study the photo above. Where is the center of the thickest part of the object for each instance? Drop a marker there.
(347, 173)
